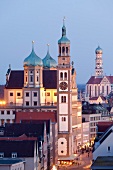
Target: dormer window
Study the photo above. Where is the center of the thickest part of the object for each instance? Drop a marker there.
(1, 154)
(14, 155)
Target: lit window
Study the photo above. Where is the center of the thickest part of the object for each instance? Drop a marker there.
(55, 94)
(47, 94)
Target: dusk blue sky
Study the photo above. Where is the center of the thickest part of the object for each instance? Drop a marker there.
(89, 23)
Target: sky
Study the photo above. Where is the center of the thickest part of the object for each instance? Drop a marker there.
(89, 23)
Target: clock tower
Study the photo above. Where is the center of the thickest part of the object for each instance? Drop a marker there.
(64, 97)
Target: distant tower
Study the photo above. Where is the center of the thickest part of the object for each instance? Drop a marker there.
(98, 63)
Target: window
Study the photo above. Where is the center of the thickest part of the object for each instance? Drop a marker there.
(27, 94)
(102, 89)
(31, 72)
(62, 143)
(11, 94)
(31, 78)
(63, 49)
(67, 50)
(8, 120)
(55, 94)
(1, 154)
(107, 89)
(37, 78)
(35, 94)
(2, 122)
(14, 155)
(65, 75)
(109, 148)
(62, 151)
(63, 99)
(35, 103)
(63, 119)
(63, 58)
(2, 112)
(18, 94)
(27, 103)
(47, 94)
(26, 79)
(8, 112)
(61, 75)
(60, 50)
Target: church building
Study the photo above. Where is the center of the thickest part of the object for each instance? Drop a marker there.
(99, 84)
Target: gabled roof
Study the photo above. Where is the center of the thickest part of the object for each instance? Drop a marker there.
(50, 79)
(103, 126)
(95, 98)
(97, 80)
(10, 161)
(16, 79)
(18, 129)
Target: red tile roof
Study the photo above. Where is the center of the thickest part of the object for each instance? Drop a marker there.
(16, 79)
(20, 138)
(103, 126)
(36, 116)
(95, 80)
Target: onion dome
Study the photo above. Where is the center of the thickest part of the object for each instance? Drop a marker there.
(98, 50)
(48, 61)
(33, 59)
(63, 39)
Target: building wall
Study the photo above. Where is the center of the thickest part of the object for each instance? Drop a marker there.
(102, 150)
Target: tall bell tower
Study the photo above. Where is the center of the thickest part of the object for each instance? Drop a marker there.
(64, 96)
(98, 62)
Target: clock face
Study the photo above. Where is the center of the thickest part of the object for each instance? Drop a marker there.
(63, 85)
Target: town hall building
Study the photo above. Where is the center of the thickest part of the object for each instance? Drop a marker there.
(44, 85)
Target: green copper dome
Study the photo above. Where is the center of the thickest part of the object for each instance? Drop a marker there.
(98, 50)
(48, 61)
(33, 59)
(63, 39)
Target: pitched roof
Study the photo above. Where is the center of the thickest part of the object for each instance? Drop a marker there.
(103, 126)
(35, 116)
(95, 98)
(9, 161)
(97, 80)
(16, 79)
(94, 80)
(18, 129)
(50, 79)
(103, 162)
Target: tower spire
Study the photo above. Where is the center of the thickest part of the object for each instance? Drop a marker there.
(48, 48)
(63, 28)
(33, 45)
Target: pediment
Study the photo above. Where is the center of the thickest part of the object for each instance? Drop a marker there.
(105, 81)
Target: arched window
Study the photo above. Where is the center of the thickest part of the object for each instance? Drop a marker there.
(65, 76)
(26, 79)
(63, 49)
(95, 91)
(60, 50)
(31, 78)
(67, 50)
(90, 91)
(107, 90)
(61, 75)
(63, 99)
(37, 78)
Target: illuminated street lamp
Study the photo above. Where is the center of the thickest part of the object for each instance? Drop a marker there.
(54, 167)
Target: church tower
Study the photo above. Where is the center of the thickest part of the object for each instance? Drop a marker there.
(64, 96)
(98, 63)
